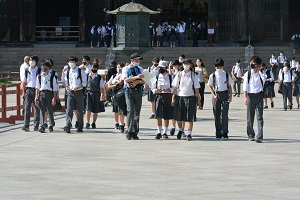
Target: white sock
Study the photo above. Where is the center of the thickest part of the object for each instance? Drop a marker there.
(188, 133)
(165, 129)
(180, 129)
(159, 129)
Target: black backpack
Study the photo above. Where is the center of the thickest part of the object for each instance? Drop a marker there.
(38, 72)
(51, 79)
(227, 80)
(68, 74)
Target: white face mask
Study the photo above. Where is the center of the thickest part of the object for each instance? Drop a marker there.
(135, 64)
(281, 54)
(72, 65)
(180, 60)
(119, 70)
(186, 67)
(285, 69)
(198, 64)
(237, 64)
(219, 70)
(32, 63)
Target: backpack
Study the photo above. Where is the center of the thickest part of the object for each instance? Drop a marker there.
(68, 74)
(227, 80)
(53, 74)
(283, 74)
(249, 76)
(38, 72)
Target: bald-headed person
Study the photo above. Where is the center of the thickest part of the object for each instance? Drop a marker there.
(24, 66)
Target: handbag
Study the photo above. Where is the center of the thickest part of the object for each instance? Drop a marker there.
(57, 106)
(280, 88)
(120, 97)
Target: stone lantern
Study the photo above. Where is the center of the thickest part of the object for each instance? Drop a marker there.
(132, 26)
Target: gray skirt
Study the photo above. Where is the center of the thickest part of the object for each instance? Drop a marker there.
(296, 92)
(185, 109)
(163, 107)
(93, 102)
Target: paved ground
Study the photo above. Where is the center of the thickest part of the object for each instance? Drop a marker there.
(101, 164)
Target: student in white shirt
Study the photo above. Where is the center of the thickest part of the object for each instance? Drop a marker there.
(28, 83)
(274, 66)
(24, 66)
(116, 84)
(47, 89)
(268, 86)
(186, 88)
(75, 81)
(281, 58)
(220, 87)
(237, 73)
(253, 98)
(286, 79)
(154, 71)
(201, 70)
(163, 90)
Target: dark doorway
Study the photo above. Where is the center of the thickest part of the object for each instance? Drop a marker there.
(48, 12)
(294, 16)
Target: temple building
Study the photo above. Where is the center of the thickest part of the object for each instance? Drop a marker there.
(232, 20)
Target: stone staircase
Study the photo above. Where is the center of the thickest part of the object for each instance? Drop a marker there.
(11, 58)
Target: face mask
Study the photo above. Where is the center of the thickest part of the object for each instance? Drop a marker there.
(285, 69)
(198, 64)
(237, 64)
(84, 63)
(94, 70)
(180, 60)
(135, 64)
(44, 69)
(162, 71)
(119, 70)
(72, 65)
(281, 54)
(186, 67)
(219, 70)
(252, 66)
(32, 63)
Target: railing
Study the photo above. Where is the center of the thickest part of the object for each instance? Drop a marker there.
(4, 109)
(52, 33)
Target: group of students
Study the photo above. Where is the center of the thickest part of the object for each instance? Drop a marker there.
(176, 94)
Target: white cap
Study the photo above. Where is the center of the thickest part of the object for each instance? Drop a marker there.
(163, 63)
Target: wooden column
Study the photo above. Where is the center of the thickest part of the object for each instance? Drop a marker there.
(284, 20)
(213, 19)
(241, 20)
(27, 20)
(82, 22)
(255, 13)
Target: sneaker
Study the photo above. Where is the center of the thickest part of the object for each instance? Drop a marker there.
(285, 109)
(36, 129)
(218, 138)
(225, 138)
(172, 132)
(238, 95)
(117, 126)
(165, 136)
(189, 138)
(291, 107)
(152, 116)
(50, 129)
(179, 135)
(87, 125)
(76, 124)
(79, 130)
(266, 107)
(235, 94)
(122, 128)
(272, 104)
(67, 129)
(42, 130)
(45, 125)
(251, 139)
(93, 125)
(158, 136)
(26, 129)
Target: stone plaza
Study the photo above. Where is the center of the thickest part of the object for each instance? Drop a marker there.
(101, 164)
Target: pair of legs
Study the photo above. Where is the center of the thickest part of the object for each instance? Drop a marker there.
(237, 86)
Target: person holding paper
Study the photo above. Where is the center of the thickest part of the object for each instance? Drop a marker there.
(133, 78)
